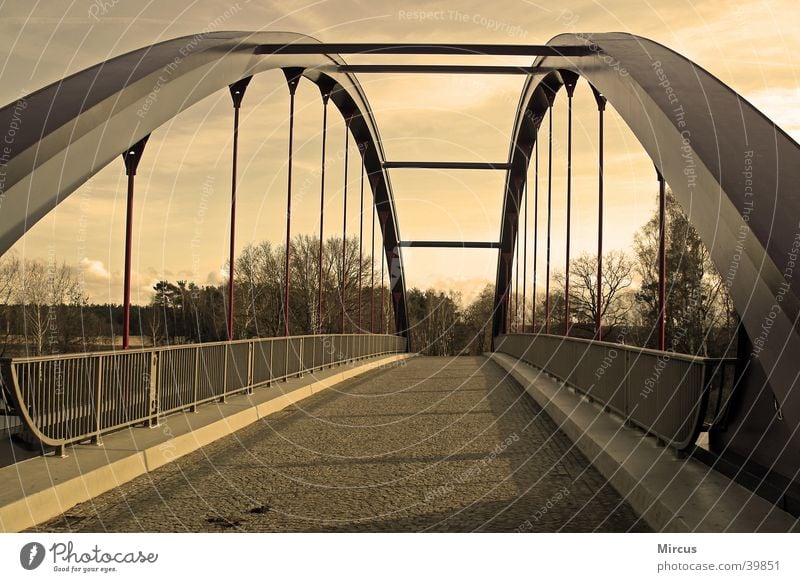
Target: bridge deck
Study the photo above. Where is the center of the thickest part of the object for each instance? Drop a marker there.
(437, 444)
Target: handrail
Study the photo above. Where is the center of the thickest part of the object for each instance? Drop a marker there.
(664, 393)
(68, 398)
(627, 347)
(75, 355)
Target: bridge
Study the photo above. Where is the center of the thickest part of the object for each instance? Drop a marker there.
(335, 431)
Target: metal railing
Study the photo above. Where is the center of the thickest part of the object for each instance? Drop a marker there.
(665, 394)
(67, 398)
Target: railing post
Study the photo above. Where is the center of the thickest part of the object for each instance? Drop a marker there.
(334, 351)
(271, 377)
(709, 374)
(250, 355)
(718, 406)
(98, 421)
(626, 402)
(196, 378)
(154, 408)
(286, 360)
(300, 367)
(225, 349)
(314, 343)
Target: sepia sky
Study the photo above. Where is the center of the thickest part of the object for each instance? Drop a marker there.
(183, 183)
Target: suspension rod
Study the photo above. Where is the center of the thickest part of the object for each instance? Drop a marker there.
(570, 87)
(601, 106)
(325, 98)
(360, 242)
(516, 275)
(292, 79)
(549, 218)
(383, 218)
(372, 274)
(237, 94)
(344, 221)
(131, 158)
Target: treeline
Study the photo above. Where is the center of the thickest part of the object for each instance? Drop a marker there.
(700, 318)
(184, 312)
(45, 309)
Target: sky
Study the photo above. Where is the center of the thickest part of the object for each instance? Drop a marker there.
(181, 213)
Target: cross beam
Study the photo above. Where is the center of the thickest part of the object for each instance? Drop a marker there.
(449, 244)
(443, 69)
(352, 48)
(449, 165)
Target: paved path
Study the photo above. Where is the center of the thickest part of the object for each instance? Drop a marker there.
(436, 444)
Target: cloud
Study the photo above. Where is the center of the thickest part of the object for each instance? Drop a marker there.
(217, 277)
(94, 269)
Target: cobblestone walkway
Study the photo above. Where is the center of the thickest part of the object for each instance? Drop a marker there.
(437, 444)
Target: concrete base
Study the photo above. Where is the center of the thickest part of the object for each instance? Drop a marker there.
(670, 494)
(36, 490)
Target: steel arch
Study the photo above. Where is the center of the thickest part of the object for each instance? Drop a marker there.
(734, 172)
(63, 134)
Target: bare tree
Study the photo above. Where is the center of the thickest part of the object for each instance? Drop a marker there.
(618, 271)
(435, 319)
(260, 286)
(259, 289)
(9, 290)
(478, 322)
(43, 290)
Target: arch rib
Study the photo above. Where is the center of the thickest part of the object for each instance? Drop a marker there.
(60, 136)
(734, 172)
